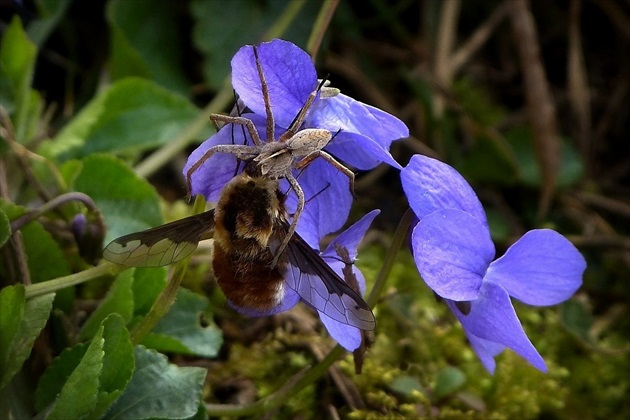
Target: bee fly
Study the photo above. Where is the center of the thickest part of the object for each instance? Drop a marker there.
(249, 226)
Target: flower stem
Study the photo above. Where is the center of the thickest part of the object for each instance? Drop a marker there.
(289, 389)
(281, 24)
(161, 305)
(155, 161)
(320, 26)
(399, 237)
(45, 287)
(167, 296)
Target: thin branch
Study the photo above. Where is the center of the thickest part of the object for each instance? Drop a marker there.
(540, 105)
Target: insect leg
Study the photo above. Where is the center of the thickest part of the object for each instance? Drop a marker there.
(234, 149)
(296, 216)
(304, 162)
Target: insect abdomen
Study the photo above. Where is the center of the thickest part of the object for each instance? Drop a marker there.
(248, 281)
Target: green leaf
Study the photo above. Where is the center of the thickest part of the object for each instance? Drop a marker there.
(159, 389)
(405, 385)
(129, 116)
(45, 258)
(128, 203)
(52, 381)
(221, 28)
(148, 284)
(119, 300)
(187, 328)
(17, 63)
(490, 160)
(12, 302)
(20, 324)
(50, 13)
(448, 380)
(151, 50)
(118, 363)
(577, 319)
(69, 171)
(17, 60)
(5, 228)
(571, 169)
(79, 394)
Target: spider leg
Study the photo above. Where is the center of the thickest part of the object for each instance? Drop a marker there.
(271, 124)
(249, 124)
(299, 118)
(296, 216)
(235, 149)
(304, 162)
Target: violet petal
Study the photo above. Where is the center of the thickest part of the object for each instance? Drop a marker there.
(328, 201)
(492, 318)
(351, 237)
(541, 268)
(289, 73)
(452, 251)
(431, 185)
(359, 151)
(344, 113)
(210, 178)
(291, 298)
(348, 337)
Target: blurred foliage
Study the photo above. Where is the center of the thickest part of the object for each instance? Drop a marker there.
(107, 98)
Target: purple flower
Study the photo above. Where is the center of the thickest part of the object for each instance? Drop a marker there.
(363, 138)
(454, 254)
(347, 336)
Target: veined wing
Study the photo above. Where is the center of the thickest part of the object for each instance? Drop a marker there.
(319, 286)
(161, 245)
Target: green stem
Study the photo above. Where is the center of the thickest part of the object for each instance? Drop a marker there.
(222, 99)
(167, 297)
(56, 202)
(399, 237)
(320, 27)
(45, 287)
(289, 389)
(287, 17)
(155, 161)
(161, 305)
(304, 378)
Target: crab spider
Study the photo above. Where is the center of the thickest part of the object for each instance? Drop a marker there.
(275, 159)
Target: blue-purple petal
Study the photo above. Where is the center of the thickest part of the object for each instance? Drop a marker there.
(344, 113)
(348, 337)
(351, 237)
(359, 151)
(485, 350)
(431, 185)
(452, 251)
(210, 178)
(289, 73)
(328, 201)
(338, 267)
(541, 268)
(290, 299)
(492, 318)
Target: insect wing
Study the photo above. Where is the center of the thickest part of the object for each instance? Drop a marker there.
(161, 245)
(319, 286)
